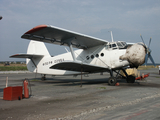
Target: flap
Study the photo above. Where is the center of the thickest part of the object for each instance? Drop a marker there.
(55, 35)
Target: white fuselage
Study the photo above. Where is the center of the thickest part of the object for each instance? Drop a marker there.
(99, 55)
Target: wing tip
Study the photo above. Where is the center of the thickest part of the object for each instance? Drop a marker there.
(39, 27)
(14, 55)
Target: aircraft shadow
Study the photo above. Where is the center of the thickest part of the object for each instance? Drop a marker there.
(62, 81)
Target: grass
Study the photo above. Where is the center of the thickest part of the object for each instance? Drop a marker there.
(102, 88)
(146, 67)
(13, 67)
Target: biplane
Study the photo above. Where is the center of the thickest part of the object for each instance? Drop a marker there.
(92, 55)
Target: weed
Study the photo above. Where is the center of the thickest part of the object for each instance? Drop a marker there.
(102, 88)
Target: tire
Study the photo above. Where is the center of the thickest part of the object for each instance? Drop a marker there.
(130, 79)
(112, 81)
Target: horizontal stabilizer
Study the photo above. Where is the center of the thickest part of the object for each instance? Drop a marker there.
(25, 56)
(78, 66)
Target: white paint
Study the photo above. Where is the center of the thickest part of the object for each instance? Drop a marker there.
(110, 58)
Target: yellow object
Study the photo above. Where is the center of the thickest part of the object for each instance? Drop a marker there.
(131, 71)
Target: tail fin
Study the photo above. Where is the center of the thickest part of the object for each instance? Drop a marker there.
(35, 53)
(39, 50)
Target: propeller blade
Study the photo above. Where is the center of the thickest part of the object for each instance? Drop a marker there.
(149, 42)
(146, 59)
(142, 39)
(152, 60)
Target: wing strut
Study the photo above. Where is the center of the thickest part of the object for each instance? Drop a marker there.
(69, 42)
(72, 52)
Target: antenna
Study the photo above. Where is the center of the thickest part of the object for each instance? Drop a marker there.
(111, 36)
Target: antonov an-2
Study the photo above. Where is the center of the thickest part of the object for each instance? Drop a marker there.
(93, 54)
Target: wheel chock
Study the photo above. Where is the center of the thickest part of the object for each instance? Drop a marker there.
(117, 84)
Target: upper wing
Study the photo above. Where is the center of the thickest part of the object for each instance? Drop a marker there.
(55, 35)
(25, 56)
(79, 67)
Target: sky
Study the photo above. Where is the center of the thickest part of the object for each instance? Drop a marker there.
(127, 19)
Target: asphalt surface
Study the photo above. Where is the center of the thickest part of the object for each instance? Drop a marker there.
(62, 97)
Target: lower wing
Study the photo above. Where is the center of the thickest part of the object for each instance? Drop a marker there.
(79, 67)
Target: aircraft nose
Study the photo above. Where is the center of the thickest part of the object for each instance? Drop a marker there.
(135, 55)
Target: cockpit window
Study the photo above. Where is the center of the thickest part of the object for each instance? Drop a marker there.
(113, 45)
(121, 45)
(117, 45)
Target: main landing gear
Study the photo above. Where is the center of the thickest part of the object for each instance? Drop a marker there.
(113, 80)
(130, 79)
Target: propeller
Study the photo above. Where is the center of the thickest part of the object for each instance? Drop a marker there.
(148, 52)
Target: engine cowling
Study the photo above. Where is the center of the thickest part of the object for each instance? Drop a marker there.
(135, 54)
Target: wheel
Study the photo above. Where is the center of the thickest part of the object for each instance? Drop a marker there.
(130, 79)
(112, 81)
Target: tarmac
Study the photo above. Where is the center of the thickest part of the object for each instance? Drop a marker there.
(63, 98)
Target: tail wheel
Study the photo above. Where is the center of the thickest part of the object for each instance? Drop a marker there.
(43, 77)
(112, 81)
(130, 79)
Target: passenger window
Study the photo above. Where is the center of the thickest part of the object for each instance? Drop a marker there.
(92, 56)
(102, 54)
(87, 57)
(97, 55)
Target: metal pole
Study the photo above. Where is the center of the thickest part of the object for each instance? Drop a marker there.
(6, 81)
(81, 75)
